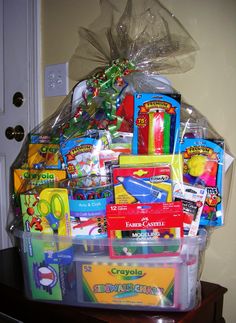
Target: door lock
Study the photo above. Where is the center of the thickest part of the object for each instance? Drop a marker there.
(16, 133)
(18, 99)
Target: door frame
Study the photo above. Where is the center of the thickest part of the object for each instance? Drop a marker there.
(35, 66)
(34, 98)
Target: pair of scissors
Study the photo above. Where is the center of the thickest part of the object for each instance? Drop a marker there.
(53, 211)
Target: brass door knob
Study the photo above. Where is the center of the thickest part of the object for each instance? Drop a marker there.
(16, 133)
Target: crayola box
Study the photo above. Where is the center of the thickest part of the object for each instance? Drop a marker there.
(166, 283)
(127, 284)
(26, 179)
(44, 156)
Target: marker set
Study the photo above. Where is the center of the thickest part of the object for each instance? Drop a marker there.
(135, 284)
(156, 123)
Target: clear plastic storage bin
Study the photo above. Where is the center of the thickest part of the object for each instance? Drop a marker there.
(81, 272)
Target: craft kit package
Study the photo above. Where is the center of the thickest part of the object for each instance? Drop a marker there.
(116, 194)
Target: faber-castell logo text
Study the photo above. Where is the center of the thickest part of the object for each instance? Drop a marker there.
(145, 223)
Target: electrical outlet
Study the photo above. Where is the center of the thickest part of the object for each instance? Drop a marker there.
(56, 81)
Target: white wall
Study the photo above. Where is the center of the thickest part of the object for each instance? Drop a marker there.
(210, 87)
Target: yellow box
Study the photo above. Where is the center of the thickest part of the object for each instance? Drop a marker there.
(176, 162)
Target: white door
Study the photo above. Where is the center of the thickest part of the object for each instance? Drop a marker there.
(18, 90)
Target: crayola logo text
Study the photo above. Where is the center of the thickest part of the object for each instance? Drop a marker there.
(40, 176)
(126, 272)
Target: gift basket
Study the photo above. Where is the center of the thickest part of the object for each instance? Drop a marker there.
(115, 195)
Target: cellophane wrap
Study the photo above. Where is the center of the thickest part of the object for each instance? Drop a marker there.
(143, 32)
(121, 59)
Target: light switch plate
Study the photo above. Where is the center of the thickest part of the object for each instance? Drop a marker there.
(56, 81)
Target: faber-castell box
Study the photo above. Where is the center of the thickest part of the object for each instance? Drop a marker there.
(79, 272)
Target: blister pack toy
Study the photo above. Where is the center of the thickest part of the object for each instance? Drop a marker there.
(156, 123)
(81, 155)
(204, 166)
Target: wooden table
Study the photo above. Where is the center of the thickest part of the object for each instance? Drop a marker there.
(14, 304)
